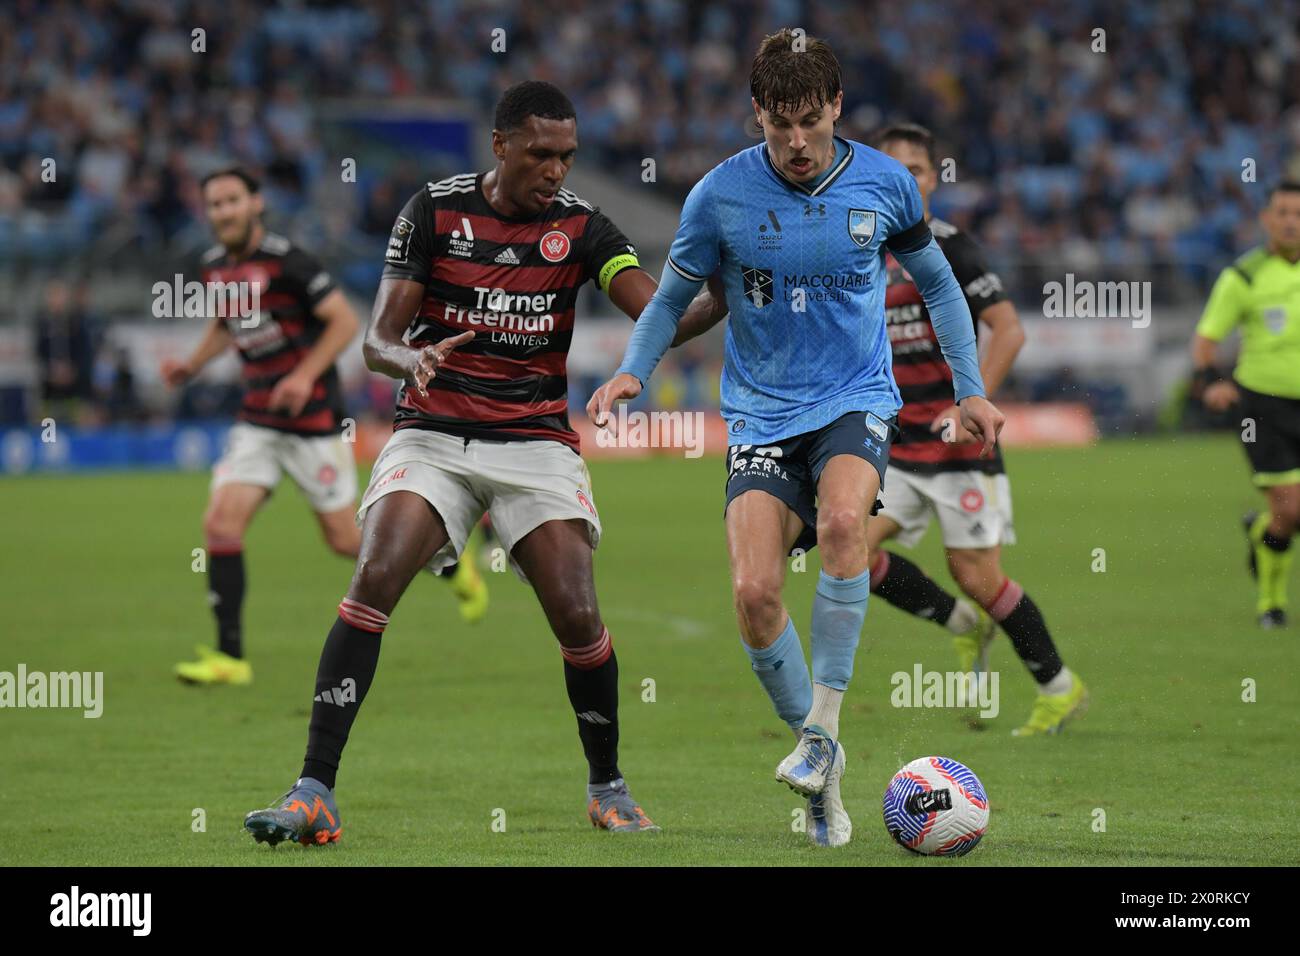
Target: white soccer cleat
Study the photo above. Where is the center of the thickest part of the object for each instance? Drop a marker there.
(806, 769)
(828, 821)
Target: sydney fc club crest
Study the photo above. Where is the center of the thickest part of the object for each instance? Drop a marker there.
(862, 225)
(876, 428)
(758, 285)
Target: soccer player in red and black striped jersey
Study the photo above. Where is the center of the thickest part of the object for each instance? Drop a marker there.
(291, 416)
(936, 468)
(475, 313)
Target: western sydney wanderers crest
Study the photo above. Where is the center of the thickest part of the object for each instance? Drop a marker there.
(862, 225)
(554, 246)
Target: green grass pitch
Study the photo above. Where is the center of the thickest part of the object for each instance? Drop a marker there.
(465, 722)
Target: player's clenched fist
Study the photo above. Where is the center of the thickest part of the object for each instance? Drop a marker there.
(1221, 396)
(425, 361)
(982, 419)
(619, 387)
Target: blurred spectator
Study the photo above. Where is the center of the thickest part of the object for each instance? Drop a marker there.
(64, 353)
(1129, 155)
(115, 387)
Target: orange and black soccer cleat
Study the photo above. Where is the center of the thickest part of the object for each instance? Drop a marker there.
(306, 814)
(611, 807)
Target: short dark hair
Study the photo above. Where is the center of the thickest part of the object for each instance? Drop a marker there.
(913, 133)
(531, 98)
(1284, 186)
(239, 172)
(791, 70)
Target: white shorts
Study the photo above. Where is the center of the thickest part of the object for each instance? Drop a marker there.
(974, 509)
(521, 484)
(323, 466)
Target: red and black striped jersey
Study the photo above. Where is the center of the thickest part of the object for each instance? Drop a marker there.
(924, 378)
(514, 283)
(289, 283)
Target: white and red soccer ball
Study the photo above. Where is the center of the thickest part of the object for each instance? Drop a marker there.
(937, 807)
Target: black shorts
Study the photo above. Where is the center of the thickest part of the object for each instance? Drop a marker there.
(789, 469)
(1275, 452)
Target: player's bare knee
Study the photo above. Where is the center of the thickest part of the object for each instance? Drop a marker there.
(758, 602)
(842, 537)
(377, 583)
(577, 624)
(1287, 514)
(223, 525)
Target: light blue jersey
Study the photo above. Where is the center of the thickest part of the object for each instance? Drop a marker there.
(803, 268)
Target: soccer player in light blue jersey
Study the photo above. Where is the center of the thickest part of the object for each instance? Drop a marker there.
(796, 229)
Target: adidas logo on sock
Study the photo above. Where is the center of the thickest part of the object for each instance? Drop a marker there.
(592, 717)
(507, 257)
(347, 694)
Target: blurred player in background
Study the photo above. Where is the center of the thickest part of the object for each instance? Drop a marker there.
(937, 469)
(1259, 295)
(798, 226)
(291, 416)
(475, 314)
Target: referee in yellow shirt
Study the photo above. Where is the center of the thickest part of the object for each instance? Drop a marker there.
(1259, 295)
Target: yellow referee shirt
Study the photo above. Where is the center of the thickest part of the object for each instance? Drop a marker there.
(1260, 293)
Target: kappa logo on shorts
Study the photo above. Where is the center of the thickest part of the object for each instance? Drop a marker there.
(972, 500)
(877, 428)
(586, 503)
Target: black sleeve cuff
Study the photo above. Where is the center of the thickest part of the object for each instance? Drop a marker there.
(916, 236)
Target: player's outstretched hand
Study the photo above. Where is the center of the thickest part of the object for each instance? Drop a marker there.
(982, 419)
(1221, 396)
(619, 387)
(175, 373)
(428, 358)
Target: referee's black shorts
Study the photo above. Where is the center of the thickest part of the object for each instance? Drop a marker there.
(1275, 452)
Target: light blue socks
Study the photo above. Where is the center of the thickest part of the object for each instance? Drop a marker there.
(783, 672)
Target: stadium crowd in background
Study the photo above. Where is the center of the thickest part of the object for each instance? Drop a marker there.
(1128, 159)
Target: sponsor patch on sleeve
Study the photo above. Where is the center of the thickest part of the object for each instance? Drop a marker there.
(399, 241)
